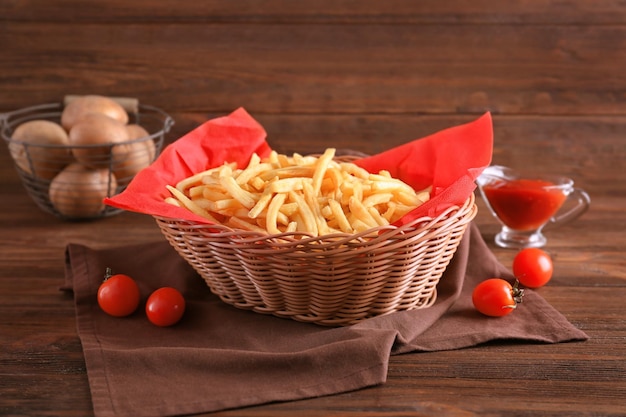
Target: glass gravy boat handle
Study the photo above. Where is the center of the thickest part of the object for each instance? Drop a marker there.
(579, 202)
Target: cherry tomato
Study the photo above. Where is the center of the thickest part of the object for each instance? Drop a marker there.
(496, 297)
(165, 307)
(532, 267)
(118, 295)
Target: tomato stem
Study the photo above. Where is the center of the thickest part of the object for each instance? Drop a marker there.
(518, 293)
(108, 273)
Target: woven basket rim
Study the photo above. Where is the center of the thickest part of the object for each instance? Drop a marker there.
(377, 233)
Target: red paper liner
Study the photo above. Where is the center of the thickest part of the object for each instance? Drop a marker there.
(450, 160)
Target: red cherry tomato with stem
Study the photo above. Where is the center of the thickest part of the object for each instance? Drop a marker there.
(165, 307)
(118, 295)
(533, 267)
(496, 297)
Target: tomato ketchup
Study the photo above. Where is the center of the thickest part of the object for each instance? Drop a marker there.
(524, 204)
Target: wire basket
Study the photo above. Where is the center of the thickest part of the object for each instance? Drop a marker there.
(333, 280)
(39, 164)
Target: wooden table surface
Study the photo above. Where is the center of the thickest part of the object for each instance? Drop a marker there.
(364, 76)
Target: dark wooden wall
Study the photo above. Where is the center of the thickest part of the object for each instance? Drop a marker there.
(550, 71)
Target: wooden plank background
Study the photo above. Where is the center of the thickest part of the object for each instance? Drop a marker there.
(364, 75)
(313, 69)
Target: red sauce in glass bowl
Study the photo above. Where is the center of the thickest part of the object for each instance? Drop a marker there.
(524, 204)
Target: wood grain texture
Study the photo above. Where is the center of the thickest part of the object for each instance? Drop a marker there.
(344, 12)
(363, 75)
(178, 57)
(427, 69)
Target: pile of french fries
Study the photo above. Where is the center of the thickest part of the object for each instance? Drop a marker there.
(316, 195)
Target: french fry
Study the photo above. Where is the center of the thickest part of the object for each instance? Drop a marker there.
(244, 197)
(257, 183)
(272, 213)
(376, 199)
(310, 197)
(360, 212)
(288, 172)
(226, 205)
(214, 194)
(340, 216)
(289, 209)
(291, 227)
(424, 195)
(173, 201)
(196, 191)
(193, 180)
(288, 184)
(320, 169)
(380, 220)
(354, 170)
(260, 205)
(287, 194)
(240, 223)
(308, 222)
(190, 205)
(250, 172)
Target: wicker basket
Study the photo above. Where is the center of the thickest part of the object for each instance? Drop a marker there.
(334, 280)
(37, 181)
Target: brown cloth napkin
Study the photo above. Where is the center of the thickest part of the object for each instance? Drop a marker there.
(220, 357)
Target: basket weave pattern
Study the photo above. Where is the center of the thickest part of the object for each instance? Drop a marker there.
(333, 280)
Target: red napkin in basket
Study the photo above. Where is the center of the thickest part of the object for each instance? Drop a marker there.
(219, 357)
(449, 160)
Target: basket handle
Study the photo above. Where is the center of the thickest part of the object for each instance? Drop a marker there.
(130, 104)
